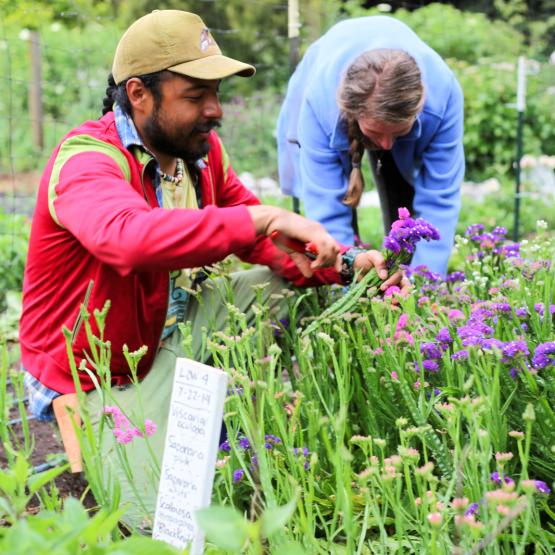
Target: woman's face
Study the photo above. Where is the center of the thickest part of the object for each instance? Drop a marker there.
(381, 135)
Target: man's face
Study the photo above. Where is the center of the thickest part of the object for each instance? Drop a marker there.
(380, 135)
(179, 123)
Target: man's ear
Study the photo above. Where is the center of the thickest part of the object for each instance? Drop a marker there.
(139, 96)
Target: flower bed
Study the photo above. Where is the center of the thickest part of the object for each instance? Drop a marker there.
(384, 424)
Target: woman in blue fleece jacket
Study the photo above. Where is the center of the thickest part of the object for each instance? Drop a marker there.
(372, 85)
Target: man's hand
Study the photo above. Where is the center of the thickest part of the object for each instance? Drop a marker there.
(267, 219)
(374, 259)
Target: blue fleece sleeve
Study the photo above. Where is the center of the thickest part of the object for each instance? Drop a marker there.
(438, 184)
(323, 179)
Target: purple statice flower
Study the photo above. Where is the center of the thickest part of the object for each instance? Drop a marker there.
(499, 232)
(460, 355)
(522, 312)
(406, 232)
(500, 479)
(538, 307)
(225, 446)
(298, 451)
(514, 349)
(480, 314)
(244, 442)
(430, 365)
(542, 357)
(473, 508)
(510, 251)
(475, 327)
(444, 337)
(424, 272)
(501, 307)
(391, 244)
(472, 341)
(491, 343)
(430, 350)
(270, 440)
(542, 487)
(238, 475)
(454, 277)
(473, 232)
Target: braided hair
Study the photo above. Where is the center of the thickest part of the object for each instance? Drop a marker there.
(118, 93)
(385, 85)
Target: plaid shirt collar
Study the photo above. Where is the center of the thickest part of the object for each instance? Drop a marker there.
(126, 129)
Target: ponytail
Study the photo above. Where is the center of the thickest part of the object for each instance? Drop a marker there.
(108, 101)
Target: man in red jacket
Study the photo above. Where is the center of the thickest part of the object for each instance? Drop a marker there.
(132, 205)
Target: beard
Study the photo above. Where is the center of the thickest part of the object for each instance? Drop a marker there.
(176, 142)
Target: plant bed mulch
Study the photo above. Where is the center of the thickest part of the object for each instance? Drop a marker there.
(46, 445)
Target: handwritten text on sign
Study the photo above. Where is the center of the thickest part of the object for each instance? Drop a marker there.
(190, 452)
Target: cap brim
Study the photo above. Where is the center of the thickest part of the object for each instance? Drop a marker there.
(214, 67)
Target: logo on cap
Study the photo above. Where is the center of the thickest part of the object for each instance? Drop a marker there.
(206, 39)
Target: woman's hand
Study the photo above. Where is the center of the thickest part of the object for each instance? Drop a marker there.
(374, 259)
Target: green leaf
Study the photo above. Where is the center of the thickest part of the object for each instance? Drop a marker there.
(142, 545)
(275, 519)
(8, 483)
(39, 480)
(224, 526)
(289, 549)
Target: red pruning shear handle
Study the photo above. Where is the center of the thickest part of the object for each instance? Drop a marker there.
(288, 244)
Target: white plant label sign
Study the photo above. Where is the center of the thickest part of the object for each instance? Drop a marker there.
(191, 448)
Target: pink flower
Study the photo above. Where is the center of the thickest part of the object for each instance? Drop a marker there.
(150, 427)
(434, 519)
(402, 322)
(394, 376)
(392, 290)
(455, 314)
(403, 213)
(123, 436)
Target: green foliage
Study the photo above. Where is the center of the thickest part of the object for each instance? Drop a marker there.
(14, 239)
(491, 118)
(72, 531)
(453, 33)
(229, 530)
(248, 132)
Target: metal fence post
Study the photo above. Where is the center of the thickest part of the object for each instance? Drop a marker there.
(35, 91)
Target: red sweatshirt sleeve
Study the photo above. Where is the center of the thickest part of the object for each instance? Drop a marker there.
(116, 224)
(263, 251)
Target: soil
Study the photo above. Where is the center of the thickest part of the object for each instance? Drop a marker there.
(44, 437)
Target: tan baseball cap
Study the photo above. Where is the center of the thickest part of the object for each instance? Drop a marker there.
(174, 40)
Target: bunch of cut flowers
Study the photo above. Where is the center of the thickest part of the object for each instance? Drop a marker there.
(398, 247)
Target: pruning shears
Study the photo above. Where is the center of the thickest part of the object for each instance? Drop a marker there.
(289, 244)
